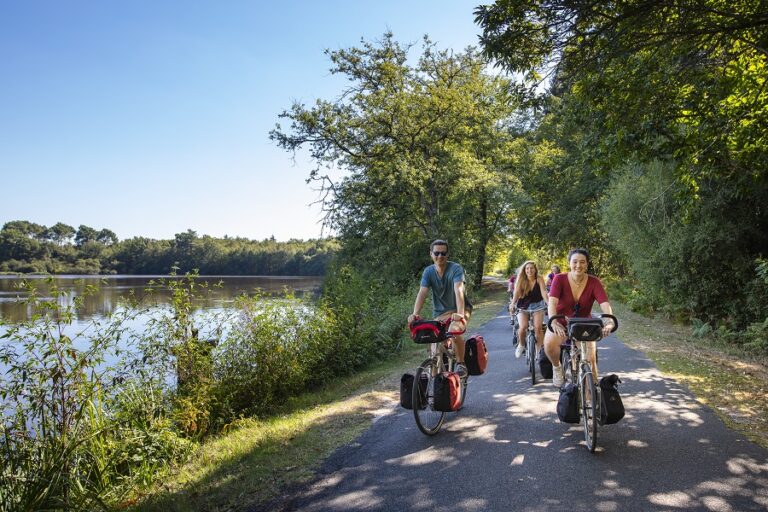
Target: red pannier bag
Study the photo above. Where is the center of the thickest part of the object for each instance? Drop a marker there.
(476, 355)
(447, 392)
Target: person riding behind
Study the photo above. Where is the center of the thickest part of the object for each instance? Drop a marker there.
(553, 272)
(445, 279)
(530, 299)
(572, 294)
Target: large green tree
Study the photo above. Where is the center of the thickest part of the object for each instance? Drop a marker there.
(649, 85)
(426, 150)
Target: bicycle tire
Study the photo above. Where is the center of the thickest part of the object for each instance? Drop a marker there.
(531, 349)
(566, 365)
(589, 411)
(427, 418)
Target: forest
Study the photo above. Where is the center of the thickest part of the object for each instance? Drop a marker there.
(638, 130)
(27, 247)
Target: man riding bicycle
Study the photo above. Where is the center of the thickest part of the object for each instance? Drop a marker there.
(445, 279)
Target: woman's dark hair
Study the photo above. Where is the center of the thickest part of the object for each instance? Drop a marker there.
(581, 251)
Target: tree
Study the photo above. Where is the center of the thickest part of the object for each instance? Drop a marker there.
(429, 152)
(643, 86)
(106, 237)
(537, 37)
(60, 233)
(85, 234)
(26, 228)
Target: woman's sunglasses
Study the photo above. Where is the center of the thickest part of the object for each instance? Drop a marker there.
(440, 253)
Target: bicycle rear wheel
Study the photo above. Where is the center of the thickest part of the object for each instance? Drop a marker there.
(589, 410)
(531, 350)
(427, 418)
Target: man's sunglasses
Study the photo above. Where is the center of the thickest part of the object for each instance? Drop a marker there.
(440, 253)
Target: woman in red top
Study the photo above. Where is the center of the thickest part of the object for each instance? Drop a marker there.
(572, 294)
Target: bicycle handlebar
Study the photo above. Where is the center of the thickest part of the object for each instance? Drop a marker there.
(602, 315)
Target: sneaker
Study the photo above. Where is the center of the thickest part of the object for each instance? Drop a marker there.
(557, 376)
(519, 351)
(461, 369)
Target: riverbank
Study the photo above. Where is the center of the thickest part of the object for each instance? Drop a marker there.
(256, 459)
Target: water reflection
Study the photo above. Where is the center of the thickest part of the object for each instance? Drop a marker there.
(215, 291)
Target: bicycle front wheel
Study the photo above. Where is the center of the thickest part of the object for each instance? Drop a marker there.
(589, 409)
(531, 349)
(566, 365)
(427, 418)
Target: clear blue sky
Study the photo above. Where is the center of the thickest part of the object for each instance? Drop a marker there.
(152, 117)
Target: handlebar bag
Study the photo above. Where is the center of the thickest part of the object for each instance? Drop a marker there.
(585, 329)
(427, 331)
(447, 392)
(476, 355)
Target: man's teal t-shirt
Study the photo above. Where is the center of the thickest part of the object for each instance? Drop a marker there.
(443, 298)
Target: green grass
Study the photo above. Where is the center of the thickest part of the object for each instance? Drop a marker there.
(256, 458)
(733, 384)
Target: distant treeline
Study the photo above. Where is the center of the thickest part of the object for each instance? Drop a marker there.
(27, 247)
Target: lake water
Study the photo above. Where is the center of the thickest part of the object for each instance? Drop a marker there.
(220, 292)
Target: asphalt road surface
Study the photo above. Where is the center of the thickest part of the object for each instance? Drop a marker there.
(506, 450)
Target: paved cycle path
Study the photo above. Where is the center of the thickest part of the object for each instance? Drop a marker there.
(506, 450)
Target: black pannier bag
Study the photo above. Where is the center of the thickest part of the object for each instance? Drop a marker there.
(585, 329)
(545, 365)
(611, 406)
(568, 403)
(427, 331)
(406, 390)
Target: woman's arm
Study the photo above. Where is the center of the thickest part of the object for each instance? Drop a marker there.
(557, 327)
(607, 322)
(543, 288)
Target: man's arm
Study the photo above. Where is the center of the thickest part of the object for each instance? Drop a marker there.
(421, 297)
(458, 291)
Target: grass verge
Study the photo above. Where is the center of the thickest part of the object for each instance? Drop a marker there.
(732, 383)
(256, 458)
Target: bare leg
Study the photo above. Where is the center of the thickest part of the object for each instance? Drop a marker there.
(552, 344)
(538, 318)
(522, 319)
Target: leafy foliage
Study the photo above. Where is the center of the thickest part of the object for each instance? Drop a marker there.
(657, 113)
(31, 248)
(428, 150)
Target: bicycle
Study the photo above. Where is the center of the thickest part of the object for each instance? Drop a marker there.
(442, 359)
(577, 368)
(530, 347)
